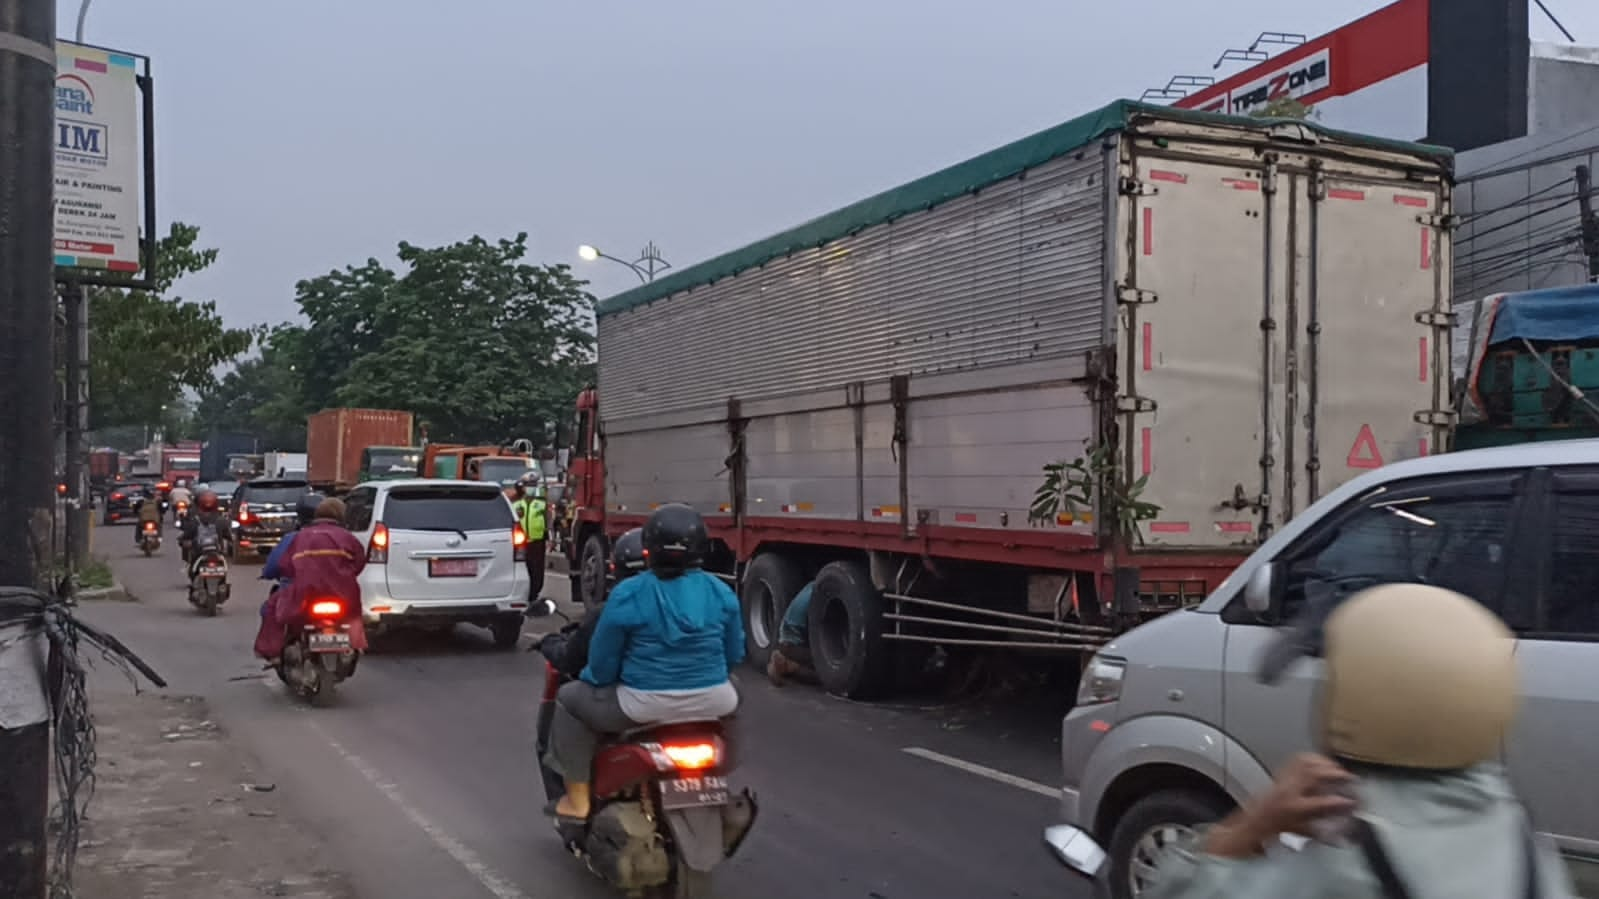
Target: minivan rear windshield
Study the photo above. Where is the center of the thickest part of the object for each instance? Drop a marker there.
(284, 492)
(448, 509)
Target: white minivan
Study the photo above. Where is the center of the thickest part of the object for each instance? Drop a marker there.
(440, 552)
(1173, 726)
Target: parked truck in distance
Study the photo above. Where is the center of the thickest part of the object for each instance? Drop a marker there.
(181, 462)
(1203, 322)
(218, 452)
(105, 467)
(499, 464)
(284, 465)
(347, 446)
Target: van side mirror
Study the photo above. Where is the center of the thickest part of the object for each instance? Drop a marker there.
(1261, 588)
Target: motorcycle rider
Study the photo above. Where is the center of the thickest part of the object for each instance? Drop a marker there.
(149, 510)
(325, 560)
(1409, 799)
(663, 650)
(568, 650)
(792, 655)
(181, 495)
(304, 513)
(207, 511)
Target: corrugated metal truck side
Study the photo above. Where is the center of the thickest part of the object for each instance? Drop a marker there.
(1247, 313)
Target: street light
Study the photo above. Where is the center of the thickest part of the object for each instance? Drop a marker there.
(648, 263)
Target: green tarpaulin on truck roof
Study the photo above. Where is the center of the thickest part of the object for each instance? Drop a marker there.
(939, 187)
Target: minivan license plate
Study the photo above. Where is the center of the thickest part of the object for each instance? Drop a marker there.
(452, 568)
(693, 792)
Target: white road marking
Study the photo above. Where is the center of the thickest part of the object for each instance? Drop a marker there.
(466, 858)
(1010, 780)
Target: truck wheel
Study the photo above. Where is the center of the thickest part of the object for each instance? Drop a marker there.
(591, 576)
(846, 628)
(1148, 829)
(770, 584)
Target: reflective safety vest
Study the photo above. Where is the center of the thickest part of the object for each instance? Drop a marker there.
(530, 512)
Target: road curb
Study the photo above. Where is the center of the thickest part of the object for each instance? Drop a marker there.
(114, 593)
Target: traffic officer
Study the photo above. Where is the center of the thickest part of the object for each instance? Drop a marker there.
(528, 504)
(1409, 798)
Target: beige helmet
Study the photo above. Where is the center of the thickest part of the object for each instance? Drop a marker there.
(1417, 677)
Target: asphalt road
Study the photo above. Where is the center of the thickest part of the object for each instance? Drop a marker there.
(421, 776)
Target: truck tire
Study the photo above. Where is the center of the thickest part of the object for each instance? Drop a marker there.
(770, 583)
(1147, 828)
(591, 573)
(846, 629)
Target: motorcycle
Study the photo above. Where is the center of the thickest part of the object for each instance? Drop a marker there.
(149, 537)
(208, 572)
(182, 512)
(663, 815)
(319, 655)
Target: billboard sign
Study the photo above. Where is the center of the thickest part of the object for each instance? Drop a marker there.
(1370, 76)
(98, 163)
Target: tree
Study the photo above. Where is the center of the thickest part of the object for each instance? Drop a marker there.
(262, 396)
(146, 347)
(1285, 108)
(482, 346)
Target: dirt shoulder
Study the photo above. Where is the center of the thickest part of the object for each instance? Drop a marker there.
(178, 812)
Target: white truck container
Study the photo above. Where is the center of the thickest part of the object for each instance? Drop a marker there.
(1247, 312)
(276, 464)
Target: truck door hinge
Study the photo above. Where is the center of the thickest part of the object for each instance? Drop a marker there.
(1439, 220)
(1132, 187)
(1432, 318)
(1268, 180)
(1134, 404)
(1129, 295)
(1436, 418)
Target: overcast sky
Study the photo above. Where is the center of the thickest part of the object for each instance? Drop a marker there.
(304, 136)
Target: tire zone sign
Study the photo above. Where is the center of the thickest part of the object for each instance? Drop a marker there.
(1298, 79)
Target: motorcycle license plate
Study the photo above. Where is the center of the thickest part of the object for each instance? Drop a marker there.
(452, 568)
(213, 571)
(693, 792)
(334, 642)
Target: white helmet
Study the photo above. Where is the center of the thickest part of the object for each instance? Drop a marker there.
(1417, 677)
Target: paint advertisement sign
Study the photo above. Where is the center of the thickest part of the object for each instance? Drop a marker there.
(98, 161)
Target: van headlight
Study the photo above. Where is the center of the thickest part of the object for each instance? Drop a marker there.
(1101, 681)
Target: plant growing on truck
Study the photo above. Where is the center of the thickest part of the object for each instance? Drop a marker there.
(1070, 487)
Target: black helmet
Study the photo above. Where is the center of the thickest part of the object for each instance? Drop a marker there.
(627, 556)
(675, 540)
(305, 508)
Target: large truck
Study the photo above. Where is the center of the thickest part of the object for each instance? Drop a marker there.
(279, 464)
(217, 451)
(181, 462)
(1202, 323)
(347, 446)
(501, 464)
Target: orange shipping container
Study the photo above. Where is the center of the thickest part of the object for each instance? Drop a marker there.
(335, 438)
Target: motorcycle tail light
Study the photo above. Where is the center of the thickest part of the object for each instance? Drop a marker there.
(117, 496)
(149, 525)
(518, 543)
(377, 551)
(327, 608)
(695, 756)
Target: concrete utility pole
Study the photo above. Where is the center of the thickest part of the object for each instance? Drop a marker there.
(1590, 225)
(27, 385)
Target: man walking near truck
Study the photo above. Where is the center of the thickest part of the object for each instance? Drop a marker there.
(528, 504)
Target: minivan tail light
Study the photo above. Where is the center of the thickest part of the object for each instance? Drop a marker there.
(377, 551)
(244, 513)
(518, 543)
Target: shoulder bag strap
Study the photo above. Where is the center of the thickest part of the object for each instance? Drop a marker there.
(1366, 839)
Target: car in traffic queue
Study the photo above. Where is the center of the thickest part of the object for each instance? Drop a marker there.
(223, 489)
(440, 552)
(122, 503)
(1174, 726)
(262, 512)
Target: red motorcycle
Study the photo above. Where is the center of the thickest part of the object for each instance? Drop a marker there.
(320, 653)
(663, 815)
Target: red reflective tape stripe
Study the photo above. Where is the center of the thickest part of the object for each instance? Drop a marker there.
(1149, 231)
(1423, 446)
(1426, 247)
(1147, 450)
(966, 517)
(1407, 200)
(1421, 362)
(1168, 527)
(1149, 347)
(1235, 527)
(1162, 175)
(1342, 193)
(1241, 183)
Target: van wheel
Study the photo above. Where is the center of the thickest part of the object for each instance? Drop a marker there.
(770, 583)
(846, 624)
(507, 632)
(591, 573)
(1148, 829)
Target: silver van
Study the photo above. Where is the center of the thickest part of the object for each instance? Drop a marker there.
(1172, 727)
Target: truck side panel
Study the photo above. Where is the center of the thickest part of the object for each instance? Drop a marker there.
(1010, 274)
(686, 464)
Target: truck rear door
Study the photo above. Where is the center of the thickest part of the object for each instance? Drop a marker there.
(1277, 331)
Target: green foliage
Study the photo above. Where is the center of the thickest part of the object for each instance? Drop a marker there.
(1070, 487)
(482, 346)
(1285, 108)
(146, 347)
